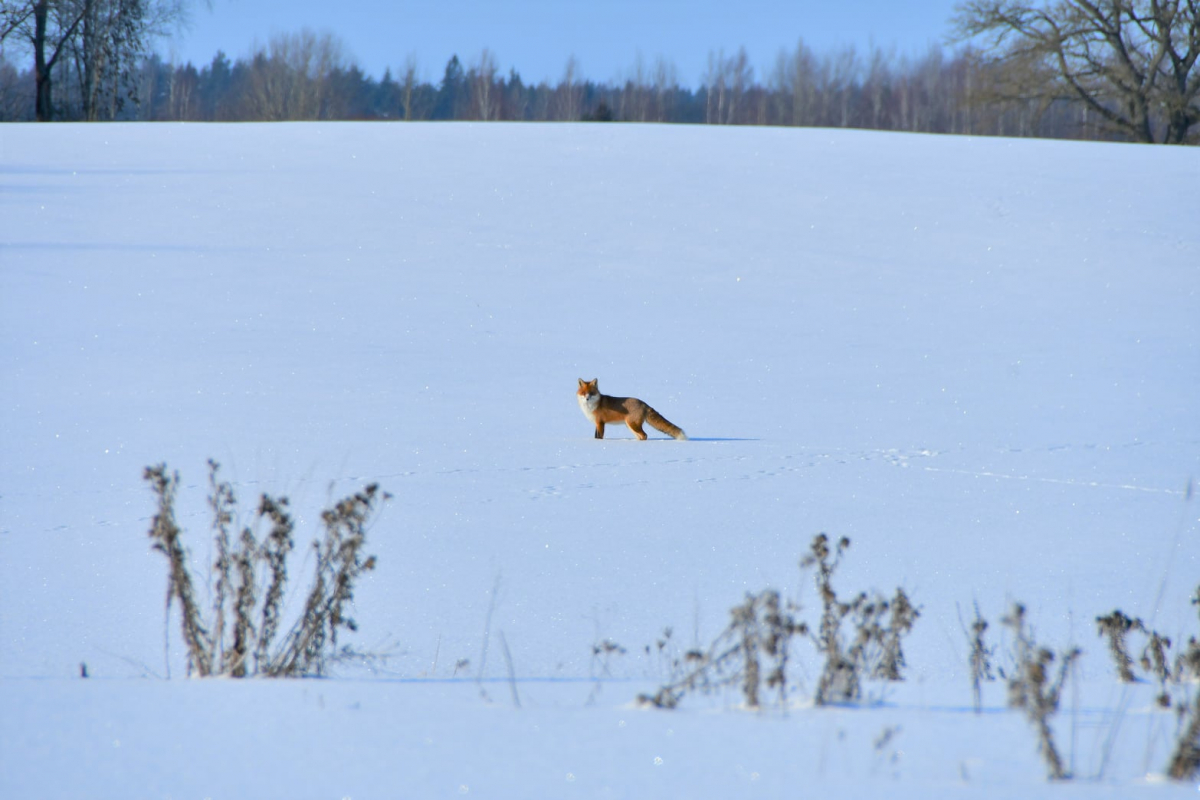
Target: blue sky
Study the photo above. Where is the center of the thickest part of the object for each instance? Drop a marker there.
(538, 36)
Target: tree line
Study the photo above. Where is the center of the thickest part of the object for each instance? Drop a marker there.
(1013, 73)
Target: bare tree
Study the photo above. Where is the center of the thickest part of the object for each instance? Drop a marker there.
(666, 83)
(47, 27)
(836, 82)
(409, 86)
(100, 41)
(726, 80)
(113, 37)
(638, 92)
(289, 79)
(485, 98)
(741, 78)
(568, 96)
(1131, 62)
(793, 81)
(16, 93)
(13, 15)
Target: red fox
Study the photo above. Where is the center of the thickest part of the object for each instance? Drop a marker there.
(601, 409)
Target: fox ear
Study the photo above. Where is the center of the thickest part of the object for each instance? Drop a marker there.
(582, 383)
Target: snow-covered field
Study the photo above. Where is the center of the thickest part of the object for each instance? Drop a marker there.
(977, 358)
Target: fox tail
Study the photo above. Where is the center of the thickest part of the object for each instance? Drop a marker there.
(659, 422)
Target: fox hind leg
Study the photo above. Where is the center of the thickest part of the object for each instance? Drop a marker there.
(636, 427)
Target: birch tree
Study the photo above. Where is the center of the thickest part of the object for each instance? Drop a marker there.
(102, 42)
(485, 95)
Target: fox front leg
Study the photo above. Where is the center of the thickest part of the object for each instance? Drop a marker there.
(599, 429)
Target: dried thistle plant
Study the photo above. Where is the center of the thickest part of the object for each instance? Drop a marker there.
(167, 539)
(223, 504)
(1114, 628)
(306, 649)
(1154, 662)
(275, 549)
(1185, 761)
(754, 651)
(980, 659)
(756, 642)
(1187, 663)
(243, 606)
(875, 648)
(839, 681)
(602, 653)
(239, 647)
(1032, 688)
(903, 615)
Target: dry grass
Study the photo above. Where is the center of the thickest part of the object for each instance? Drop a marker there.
(753, 652)
(250, 577)
(1034, 690)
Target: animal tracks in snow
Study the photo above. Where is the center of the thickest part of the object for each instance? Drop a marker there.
(702, 463)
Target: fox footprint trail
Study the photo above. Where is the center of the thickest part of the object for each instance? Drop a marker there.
(700, 462)
(754, 466)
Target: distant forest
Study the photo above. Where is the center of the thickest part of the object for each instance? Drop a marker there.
(305, 76)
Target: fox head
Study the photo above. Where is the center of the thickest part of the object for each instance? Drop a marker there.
(588, 388)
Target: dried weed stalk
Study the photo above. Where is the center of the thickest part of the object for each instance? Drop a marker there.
(167, 539)
(900, 624)
(1114, 628)
(980, 660)
(875, 649)
(1032, 688)
(275, 549)
(752, 651)
(603, 652)
(1187, 663)
(223, 504)
(250, 578)
(839, 680)
(312, 641)
(1153, 660)
(1185, 761)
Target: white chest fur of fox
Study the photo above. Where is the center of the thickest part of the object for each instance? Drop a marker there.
(588, 404)
(602, 409)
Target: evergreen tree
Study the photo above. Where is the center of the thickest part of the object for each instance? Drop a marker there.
(452, 92)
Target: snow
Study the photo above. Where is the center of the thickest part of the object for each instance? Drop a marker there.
(976, 358)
